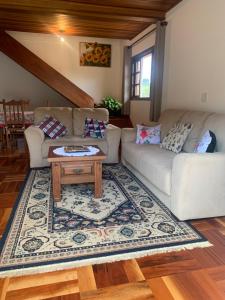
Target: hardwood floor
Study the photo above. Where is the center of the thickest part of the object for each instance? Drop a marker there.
(186, 275)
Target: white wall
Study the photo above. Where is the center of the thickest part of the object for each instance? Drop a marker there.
(16, 83)
(140, 109)
(64, 57)
(195, 56)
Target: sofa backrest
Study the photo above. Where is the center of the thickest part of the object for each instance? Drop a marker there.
(197, 119)
(168, 118)
(80, 114)
(63, 114)
(201, 121)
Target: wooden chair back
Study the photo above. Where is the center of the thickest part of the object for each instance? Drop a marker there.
(14, 113)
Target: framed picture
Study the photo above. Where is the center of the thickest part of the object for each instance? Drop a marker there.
(95, 55)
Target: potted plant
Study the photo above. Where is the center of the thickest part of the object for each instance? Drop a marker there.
(113, 105)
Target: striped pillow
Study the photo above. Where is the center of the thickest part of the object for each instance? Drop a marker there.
(52, 127)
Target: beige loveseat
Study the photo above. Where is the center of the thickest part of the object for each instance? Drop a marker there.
(73, 119)
(191, 185)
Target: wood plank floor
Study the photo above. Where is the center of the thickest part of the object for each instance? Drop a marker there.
(186, 275)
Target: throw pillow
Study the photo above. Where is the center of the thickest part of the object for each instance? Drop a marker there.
(52, 127)
(176, 137)
(148, 135)
(207, 143)
(94, 128)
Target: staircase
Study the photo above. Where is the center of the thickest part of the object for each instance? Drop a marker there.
(35, 65)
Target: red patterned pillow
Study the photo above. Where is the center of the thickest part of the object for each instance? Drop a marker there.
(52, 127)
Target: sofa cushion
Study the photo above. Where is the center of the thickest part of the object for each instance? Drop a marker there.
(152, 162)
(94, 128)
(176, 137)
(80, 114)
(73, 140)
(52, 127)
(148, 135)
(168, 119)
(63, 114)
(197, 119)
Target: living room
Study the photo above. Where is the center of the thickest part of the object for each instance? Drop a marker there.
(98, 212)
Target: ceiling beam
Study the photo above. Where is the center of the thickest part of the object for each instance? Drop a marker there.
(163, 5)
(87, 31)
(75, 8)
(70, 25)
(47, 18)
(122, 19)
(83, 15)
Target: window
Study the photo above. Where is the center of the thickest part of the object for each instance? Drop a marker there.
(141, 75)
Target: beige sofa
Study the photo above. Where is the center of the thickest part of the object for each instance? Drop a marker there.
(73, 119)
(191, 185)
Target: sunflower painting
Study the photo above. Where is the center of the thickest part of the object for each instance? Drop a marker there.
(95, 55)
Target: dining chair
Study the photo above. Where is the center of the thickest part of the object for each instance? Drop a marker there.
(14, 119)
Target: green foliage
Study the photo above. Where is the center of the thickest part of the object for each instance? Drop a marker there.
(145, 88)
(111, 103)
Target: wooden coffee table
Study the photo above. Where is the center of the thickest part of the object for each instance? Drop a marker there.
(74, 169)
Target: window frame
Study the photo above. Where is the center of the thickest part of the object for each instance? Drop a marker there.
(134, 60)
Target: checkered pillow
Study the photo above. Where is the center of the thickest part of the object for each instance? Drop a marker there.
(52, 127)
(94, 128)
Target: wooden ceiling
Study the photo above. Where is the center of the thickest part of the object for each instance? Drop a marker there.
(122, 19)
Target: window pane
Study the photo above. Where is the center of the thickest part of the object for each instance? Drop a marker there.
(137, 90)
(137, 78)
(146, 63)
(138, 66)
(132, 85)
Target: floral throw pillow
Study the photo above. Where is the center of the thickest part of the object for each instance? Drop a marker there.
(52, 127)
(94, 128)
(176, 137)
(148, 135)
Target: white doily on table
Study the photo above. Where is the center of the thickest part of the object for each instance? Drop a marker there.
(60, 151)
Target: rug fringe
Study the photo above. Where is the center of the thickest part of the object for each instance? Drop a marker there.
(94, 261)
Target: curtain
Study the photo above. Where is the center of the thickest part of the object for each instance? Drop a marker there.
(157, 71)
(126, 80)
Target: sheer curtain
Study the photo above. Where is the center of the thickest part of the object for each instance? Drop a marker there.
(126, 80)
(157, 71)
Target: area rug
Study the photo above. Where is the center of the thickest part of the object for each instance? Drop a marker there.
(127, 222)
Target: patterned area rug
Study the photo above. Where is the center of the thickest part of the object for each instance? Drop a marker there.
(127, 222)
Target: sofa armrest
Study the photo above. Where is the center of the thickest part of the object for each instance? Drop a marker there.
(35, 138)
(113, 134)
(198, 185)
(128, 135)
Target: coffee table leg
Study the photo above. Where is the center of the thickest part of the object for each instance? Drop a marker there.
(56, 184)
(98, 179)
